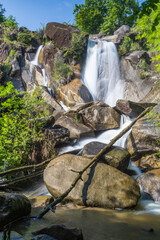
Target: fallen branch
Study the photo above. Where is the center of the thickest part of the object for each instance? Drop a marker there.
(21, 169)
(94, 160)
(20, 179)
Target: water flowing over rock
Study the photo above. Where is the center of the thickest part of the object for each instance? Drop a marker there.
(117, 157)
(12, 207)
(101, 185)
(144, 135)
(101, 73)
(150, 183)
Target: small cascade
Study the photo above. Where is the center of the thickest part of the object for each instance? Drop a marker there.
(35, 61)
(101, 73)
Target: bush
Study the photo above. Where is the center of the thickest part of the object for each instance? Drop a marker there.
(61, 70)
(24, 38)
(19, 125)
(128, 46)
(78, 45)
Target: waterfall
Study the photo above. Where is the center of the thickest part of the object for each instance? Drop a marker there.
(101, 73)
(35, 61)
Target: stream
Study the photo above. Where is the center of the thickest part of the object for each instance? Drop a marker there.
(101, 75)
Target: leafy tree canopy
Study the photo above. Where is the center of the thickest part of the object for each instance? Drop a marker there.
(104, 15)
(2, 10)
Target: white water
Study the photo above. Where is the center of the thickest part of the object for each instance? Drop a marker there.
(101, 73)
(35, 61)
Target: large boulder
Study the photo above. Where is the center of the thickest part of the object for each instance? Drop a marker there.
(130, 108)
(154, 93)
(73, 93)
(116, 157)
(13, 207)
(60, 34)
(77, 129)
(136, 56)
(100, 186)
(96, 115)
(122, 31)
(145, 135)
(51, 101)
(150, 183)
(61, 232)
(148, 162)
(27, 80)
(135, 88)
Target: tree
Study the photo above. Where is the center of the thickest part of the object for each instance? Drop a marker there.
(89, 16)
(105, 15)
(19, 125)
(148, 28)
(119, 13)
(2, 10)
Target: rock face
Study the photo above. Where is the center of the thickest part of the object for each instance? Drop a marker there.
(150, 183)
(117, 157)
(61, 232)
(144, 135)
(96, 115)
(76, 128)
(101, 185)
(130, 108)
(136, 56)
(27, 80)
(148, 162)
(60, 34)
(73, 93)
(135, 88)
(122, 31)
(4, 51)
(12, 207)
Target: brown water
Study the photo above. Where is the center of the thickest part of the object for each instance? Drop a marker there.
(98, 224)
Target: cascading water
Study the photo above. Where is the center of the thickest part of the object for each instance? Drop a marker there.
(101, 73)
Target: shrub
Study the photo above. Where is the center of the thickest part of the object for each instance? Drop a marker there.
(61, 69)
(128, 46)
(78, 45)
(24, 38)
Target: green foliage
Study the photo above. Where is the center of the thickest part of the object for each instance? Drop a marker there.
(2, 10)
(105, 15)
(128, 46)
(148, 27)
(89, 16)
(11, 22)
(78, 45)
(19, 125)
(61, 69)
(119, 13)
(24, 38)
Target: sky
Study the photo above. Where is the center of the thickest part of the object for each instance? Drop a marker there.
(34, 14)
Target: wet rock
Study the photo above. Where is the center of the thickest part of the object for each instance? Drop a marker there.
(148, 162)
(37, 75)
(61, 232)
(60, 34)
(117, 157)
(101, 185)
(150, 183)
(73, 93)
(51, 101)
(132, 109)
(27, 80)
(12, 207)
(40, 201)
(144, 135)
(76, 128)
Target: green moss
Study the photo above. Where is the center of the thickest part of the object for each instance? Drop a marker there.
(61, 70)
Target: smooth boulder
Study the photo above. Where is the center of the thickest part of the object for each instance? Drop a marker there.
(148, 162)
(100, 186)
(145, 135)
(13, 207)
(116, 157)
(150, 183)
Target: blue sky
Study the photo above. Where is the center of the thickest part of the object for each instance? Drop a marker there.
(35, 13)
